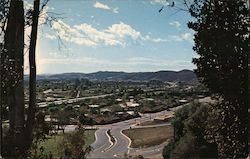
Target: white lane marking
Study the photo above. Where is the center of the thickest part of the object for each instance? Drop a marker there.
(111, 143)
(104, 144)
(110, 147)
(96, 137)
(129, 144)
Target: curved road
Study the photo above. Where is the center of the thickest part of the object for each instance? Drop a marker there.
(103, 148)
(102, 140)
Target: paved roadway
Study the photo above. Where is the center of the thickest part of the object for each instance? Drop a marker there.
(75, 99)
(103, 148)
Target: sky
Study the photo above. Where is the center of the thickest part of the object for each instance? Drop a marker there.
(113, 35)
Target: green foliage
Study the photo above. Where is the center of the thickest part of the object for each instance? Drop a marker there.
(189, 134)
(40, 133)
(148, 103)
(50, 145)
(111, 136)
(63, 117)
(4, 11)
(125, 97)
(116, 108)
(186, 147)
(222, 42)
(181, 116)
(168, 149)
(226, 128)
(84, 120)
(73, 145)
(138, 157)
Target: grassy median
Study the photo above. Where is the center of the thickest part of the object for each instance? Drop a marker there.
(146, 137)
(111, 136)
(51, 144)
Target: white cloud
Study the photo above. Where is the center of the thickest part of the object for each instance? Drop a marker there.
(176, 24)
(111, 64)
(157, 62)
(187, 36)
(98, 36)
(101, 5)
(143, 60)
(115, 10)
(121, 30)
(27, 5)
(38, 58)
(85, 60)
(119, 34)
(70, 34)
(160, 2)
(43, 15)
(183, 37)
(155, 40)
(48, 36)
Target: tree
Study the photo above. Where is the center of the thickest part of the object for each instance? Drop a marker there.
(19, 138)
(41, 131)
(166, 153)
(73, 145)
(85, 120)
(189, 134)
(32, 78)
(222, 42)
(4, 4)
(63, 118)
(12, 77)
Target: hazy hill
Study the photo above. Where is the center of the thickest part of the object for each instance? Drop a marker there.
(184, 75)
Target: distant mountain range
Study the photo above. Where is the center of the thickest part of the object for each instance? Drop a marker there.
(184, 75)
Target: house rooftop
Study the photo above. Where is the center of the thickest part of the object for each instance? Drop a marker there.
(94, 106)
(130, 112)
(132, 104)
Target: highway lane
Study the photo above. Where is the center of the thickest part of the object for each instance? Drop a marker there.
(41, 104)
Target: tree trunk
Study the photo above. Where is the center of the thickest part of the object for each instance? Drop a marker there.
(1, 103)
(32, 79)
(12, 59)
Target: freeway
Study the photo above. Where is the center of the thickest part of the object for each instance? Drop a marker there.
(73, 100)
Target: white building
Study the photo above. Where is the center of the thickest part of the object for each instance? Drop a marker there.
(132, 104)
(94, 106)
(130, 112)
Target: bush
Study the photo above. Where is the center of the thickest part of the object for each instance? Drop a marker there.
(73, 145)
(189, 134)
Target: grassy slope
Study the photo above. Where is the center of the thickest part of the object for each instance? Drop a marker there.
(50, 145)
(146, 137)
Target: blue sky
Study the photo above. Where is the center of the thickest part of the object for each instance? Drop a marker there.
(114, 35)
